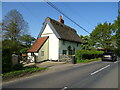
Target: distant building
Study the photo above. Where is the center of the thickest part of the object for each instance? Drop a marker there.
(54, 39)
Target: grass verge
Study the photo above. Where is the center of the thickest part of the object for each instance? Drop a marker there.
(20, 73)
(88, 60)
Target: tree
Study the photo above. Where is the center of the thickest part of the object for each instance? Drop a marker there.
(9, 47)
(103, 36)
(117, 30)
(27, 39)
(14, 25)
(86, 45)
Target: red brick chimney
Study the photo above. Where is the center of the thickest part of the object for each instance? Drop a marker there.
(61, 20)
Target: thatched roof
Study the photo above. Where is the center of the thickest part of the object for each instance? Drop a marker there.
(65, 32)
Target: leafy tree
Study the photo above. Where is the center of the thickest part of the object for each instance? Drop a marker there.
(14, 25)
(12, 45)
(86, 45)
(9, 47)
(24, 50)
(27, 39)
(117, 30)
(103, 36)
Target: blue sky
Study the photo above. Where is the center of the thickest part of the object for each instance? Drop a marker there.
(86, 14)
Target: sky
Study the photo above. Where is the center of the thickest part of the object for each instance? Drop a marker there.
(86, 14)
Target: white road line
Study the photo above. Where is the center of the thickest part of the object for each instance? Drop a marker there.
(64, 88)
(99, 70)
(116, 62)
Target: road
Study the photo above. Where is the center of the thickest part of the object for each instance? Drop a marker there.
(93, 75)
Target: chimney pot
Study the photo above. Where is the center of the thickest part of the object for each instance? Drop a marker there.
(61, 20)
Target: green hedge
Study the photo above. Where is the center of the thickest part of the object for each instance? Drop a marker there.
(87, 54)
(88, 60)
(21, 72)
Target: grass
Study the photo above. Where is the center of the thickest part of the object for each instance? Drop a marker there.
(21, 72)
(88, 60)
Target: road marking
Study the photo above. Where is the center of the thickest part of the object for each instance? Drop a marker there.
(116, 62)
(64, 88)
(99, 70)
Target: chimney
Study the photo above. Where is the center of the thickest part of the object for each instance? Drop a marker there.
(61, 20)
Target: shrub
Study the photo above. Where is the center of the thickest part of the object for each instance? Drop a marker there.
(87, 54)
(21, 72)
(24, 50)
(18, 67)
(6, 60)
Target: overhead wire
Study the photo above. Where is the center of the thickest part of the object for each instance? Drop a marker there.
(57, 9)
(77, 14)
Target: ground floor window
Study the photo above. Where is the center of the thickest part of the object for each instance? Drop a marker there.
(42, 53)
(32, 53)
(64, 52)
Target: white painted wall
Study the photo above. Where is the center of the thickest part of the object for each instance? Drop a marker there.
(31, 58)
(53, 43)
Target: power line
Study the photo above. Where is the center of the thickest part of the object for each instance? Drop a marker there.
(56, 8)
(77, 14)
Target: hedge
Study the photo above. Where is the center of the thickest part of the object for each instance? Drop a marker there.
(87, 54)
(21, 72)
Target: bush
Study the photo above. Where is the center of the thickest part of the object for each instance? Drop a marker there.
(88, 60)
(6, 60)
(9, 47)
(21, 72)
(18, 67)
(87, 54)
(24, 50)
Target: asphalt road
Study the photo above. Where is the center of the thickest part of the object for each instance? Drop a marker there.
(94, 75)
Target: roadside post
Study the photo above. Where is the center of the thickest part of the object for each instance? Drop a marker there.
(73, 59)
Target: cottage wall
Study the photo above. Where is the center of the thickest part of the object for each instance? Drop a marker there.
(43, 52)
(53, 43)
(63, 45)
(32, 58)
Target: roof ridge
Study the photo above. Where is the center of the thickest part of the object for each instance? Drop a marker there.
(63, 24)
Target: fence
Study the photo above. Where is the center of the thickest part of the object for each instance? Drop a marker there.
(65, 58)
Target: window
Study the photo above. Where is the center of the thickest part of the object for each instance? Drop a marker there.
(77, 44)
(42, 53)
(63, 42)
(64, 52)
(32, 53)
(74, 50)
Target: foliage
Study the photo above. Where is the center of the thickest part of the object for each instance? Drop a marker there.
(88, 60)
(24, 50)
(14, 25)
(86, 45)
(18, 67)
(12, 45)
(8, 48)
(6, 60)
(87, 54)
(117, 29)
(69, 50)
(22, 72)
(27, 39)
(102, 36)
